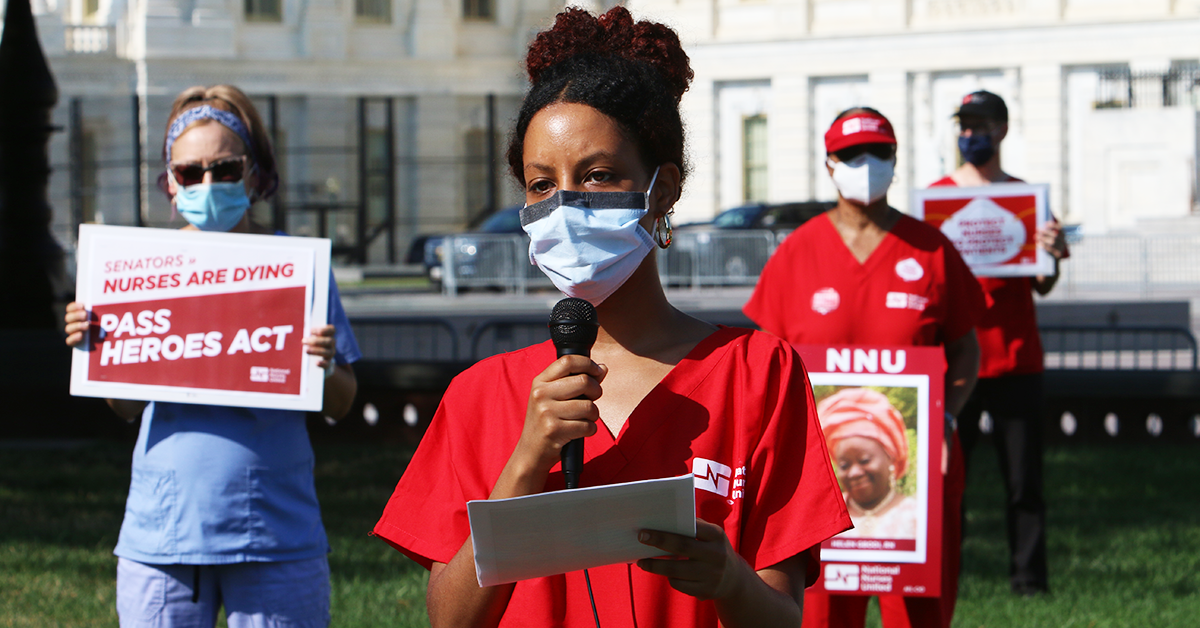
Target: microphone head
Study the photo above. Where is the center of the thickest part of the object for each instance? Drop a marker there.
(573, 326)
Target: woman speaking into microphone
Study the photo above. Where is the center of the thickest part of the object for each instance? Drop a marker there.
(598, 149)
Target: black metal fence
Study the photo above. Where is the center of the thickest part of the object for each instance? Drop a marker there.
(1102, 383)
(358, 182)
(1122, 88)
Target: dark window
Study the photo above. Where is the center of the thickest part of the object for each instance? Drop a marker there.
(478, 9)
(754, 158)
(263, 11)
(373, 11)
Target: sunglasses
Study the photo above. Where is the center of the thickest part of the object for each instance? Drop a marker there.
(224, 171)
(882, 151)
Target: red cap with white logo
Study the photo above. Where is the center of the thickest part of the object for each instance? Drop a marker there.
(859, 128)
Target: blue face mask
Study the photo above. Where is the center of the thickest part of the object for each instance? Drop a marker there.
(976, 149)
(589, 243)
(213, 206)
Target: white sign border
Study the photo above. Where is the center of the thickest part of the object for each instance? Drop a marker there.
(1044, 266)
(312, 378)
(921, 383)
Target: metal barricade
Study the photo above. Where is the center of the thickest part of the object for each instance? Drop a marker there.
(715, 257)
(406, 339)
(1133, 263)
(1118, 348)
(499, 336)
(483, 260)
(489, 261)
(1173, 261)
(732, 257)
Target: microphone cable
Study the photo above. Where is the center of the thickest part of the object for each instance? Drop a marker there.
(591, 598)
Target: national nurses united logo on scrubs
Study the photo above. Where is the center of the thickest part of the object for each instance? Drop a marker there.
(712, 476)
(825, 301)
(905, 301)
(909, 269)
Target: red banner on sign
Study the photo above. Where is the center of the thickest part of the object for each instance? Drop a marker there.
(246, 341)
(990, 236)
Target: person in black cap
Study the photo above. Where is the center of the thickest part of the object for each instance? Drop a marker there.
(1010, 371)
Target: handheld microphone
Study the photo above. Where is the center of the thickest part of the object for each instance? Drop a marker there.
(573, 329)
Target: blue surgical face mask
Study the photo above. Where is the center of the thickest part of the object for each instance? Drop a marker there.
(589, 243)
(976, 149)
(213, 206)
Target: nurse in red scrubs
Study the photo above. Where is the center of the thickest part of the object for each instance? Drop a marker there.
(598, 149)
(864, 273)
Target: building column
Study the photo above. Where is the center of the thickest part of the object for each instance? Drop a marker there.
(889, 93)
(789, 144)
(440, 175)
(701, 192)
(1041, 115)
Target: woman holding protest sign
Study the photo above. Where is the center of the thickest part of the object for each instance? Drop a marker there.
(598, 149)
(222, 510)
(864, 273)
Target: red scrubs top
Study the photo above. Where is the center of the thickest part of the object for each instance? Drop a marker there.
(1009, 342)
(914, 289)
(739, 407)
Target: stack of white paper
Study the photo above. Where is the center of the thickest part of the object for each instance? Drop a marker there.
(552, 533)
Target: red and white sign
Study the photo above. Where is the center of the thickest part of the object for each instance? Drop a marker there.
(195, 317)
(882, 415)
(993, 227)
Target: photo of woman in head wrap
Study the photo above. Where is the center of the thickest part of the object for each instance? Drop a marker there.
(869, 444)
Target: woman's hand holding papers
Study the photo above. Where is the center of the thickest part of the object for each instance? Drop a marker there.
(708, 568)
(705, 567)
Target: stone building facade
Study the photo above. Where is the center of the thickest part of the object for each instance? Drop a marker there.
(1102, 95)
(338, 80)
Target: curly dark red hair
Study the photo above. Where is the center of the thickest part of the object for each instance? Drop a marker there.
(633, 72)
(613, 34)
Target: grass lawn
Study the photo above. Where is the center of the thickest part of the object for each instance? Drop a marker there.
(1124, 538)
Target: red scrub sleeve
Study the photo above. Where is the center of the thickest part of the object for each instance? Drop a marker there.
(965, 302)
(794, 499)
(426, 517)
(774, 303)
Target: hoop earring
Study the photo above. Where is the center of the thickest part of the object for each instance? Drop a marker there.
(662, 230)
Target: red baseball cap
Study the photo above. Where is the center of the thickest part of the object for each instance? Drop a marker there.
(859, 128)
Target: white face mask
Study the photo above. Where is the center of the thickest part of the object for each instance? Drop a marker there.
(864, 179)
(588, 243)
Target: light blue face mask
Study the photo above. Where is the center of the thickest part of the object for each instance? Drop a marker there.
(213, 206)
(589, 243)
(216, 207)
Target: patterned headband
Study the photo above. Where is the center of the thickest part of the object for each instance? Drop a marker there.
(206, 112)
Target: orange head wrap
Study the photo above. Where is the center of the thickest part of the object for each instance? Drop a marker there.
(863, 412)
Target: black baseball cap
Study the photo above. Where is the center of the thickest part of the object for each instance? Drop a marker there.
(985, 105)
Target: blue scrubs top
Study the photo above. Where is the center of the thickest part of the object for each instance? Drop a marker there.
(218, 485)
